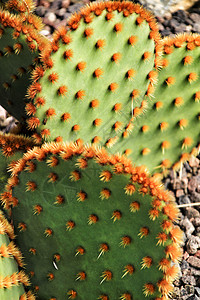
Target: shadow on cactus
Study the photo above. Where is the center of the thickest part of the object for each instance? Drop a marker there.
(92, 226)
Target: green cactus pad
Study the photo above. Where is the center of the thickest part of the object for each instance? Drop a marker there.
(12, 280)
(12, 148)
(99, 73)
(169, 132)
(20, 44)
(92, 226)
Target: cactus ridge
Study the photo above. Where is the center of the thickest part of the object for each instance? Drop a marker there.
(103, 89)
(126, 216)
(172, 119)
(12, 281)
(20, 44)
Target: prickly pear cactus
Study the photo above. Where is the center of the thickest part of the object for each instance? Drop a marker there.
(20, 44)
(92, 226)
(168, 133)
(12, 148)
(12, 281)
(18, 6)
(99, 74)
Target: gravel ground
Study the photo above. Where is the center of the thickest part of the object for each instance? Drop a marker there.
(184, 186)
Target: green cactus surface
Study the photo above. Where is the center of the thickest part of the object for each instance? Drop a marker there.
(12, 281)
(168, 133)
(92, 226)
(20, 45)
(98, 75)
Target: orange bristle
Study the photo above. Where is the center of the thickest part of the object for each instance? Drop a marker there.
(183, 123)
(162, 238)
(166, 225)
(80, 94)
(116, 215)
(103, 297)
(50, 276)
(130, 73)
(68, 54)
(165, 63)
(48, 232)
(65, 117)
(152, 76)
(88, 32)
(127, 152)
(75, 175)
(164, 264)
(37, 209)
(70, 225)
(145, 151)
(178, 101)
(172, 273)
(130, 189)
(125, 241)
(171, 211)
(52, 177)
(165, 287)
(170, 80)
(145, 128)
(187, 142)
(188, 60)
(105, 193)
(72, 294)
(59, 199)
(191, 46)
(22, 226)
(31, 186)
(153, 214)
(118, 27)
(117, 107)
(94, 103)
(98, 73)
(192, 77)
(66, 39)
(176, 235)
(146, 262)
(113, 86)
(34, 89)
(149, 289)
(58, 139)
(158, 105)
(62, 90)
(50, 112)
(135, 94)
(30, 109)
(92, 219)
(76, 127)
(144, 231)
(53, 77)
(82, 163)
(126, 296)
(81, 66)
(132, 40)
(45, 133)
(96, 140)
(165, 145)
(168, 49)
(116, 57)
(173, 252)
(197, 96)
(147, 55)
(100, 44)
(38, 73)
(81, 276)
(81, 196)
(105, 176)
(107, 275)
(109, 16)
(163, 126)
(129, 269)
(40, 101)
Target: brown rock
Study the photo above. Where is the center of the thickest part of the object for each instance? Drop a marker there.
(194, 261)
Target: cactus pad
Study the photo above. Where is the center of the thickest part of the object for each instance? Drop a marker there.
(19, 46)
(12, 281)
(92, 226)
(169, 132)
(99, 74)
